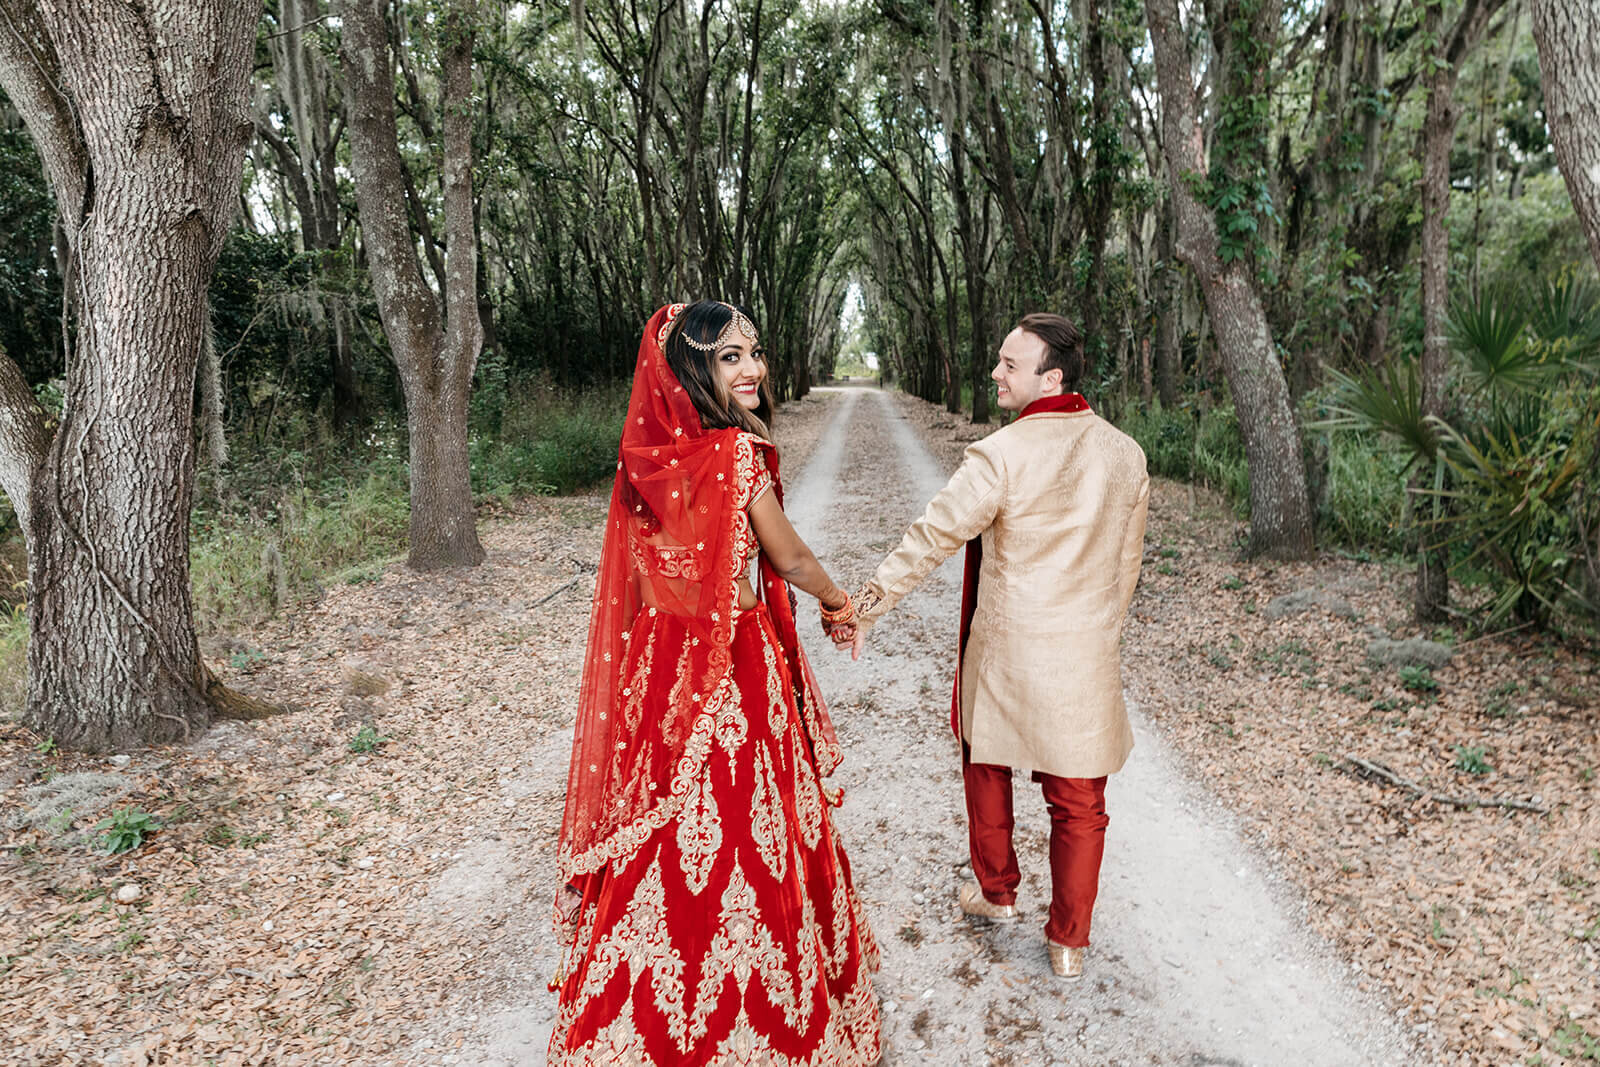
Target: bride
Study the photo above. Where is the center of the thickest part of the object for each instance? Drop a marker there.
(707, 911)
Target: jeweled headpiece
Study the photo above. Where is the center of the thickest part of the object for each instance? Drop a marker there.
(738, 322)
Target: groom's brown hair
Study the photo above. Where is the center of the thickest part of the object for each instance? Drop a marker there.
(1063, 346)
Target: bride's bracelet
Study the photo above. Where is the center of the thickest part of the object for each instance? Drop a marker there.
(842, 615)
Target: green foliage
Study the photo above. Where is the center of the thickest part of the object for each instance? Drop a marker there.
(30, 288)
(1192, 446)
(1470, 759)
(1521, 499)
(367, 739)
(1363, 494)
(1418, 679)
(1520, 444)
(126, 830)
(1490, 331)
(14, 665)
(549, 440)
(241, 563)
(1381, 400)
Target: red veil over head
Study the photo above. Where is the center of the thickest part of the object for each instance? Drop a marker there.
(669, 542)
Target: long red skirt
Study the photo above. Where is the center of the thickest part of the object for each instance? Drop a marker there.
(733, 935)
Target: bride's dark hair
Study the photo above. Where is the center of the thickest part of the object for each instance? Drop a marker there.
(696, 370)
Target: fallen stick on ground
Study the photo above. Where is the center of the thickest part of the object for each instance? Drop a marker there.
(562, 588)
(1379, 771)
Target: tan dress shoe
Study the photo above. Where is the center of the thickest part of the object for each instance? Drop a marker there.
(974, 903)
(1066, 961)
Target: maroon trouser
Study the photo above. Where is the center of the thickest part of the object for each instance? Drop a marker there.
(1077, 841)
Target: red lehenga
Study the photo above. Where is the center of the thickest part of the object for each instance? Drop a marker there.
(711, 917)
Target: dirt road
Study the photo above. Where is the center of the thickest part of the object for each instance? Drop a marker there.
(1199, 951)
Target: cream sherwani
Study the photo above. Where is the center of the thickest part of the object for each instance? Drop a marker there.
(1059, 499)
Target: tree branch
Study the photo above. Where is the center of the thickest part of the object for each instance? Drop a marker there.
(1372, 769)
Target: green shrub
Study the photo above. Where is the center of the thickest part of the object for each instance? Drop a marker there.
(1510, 468)
(367, 739)
(1364, 498)
(244, 566)
(1204, 448)
(126, 829)
(550, 441)
(1470, 759)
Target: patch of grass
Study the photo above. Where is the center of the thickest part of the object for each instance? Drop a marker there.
(14, 668)
(911, 934)
(1192, 446)
(1289, 657)
(245, 566)
(1470, 759)
(1364, 495)
(1233, 581)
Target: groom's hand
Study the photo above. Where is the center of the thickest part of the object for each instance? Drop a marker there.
(857, 643)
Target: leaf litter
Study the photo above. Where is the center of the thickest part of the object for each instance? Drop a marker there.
(306, 903)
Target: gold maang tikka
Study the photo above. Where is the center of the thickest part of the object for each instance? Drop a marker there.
(738, 322)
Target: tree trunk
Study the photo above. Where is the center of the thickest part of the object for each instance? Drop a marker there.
(434, 349)
(1169, 311)
(1280, 509)
(1438, 135)
(1568, 35)
(146, 183)
(1432, 594)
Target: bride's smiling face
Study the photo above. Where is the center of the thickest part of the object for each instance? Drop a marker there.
(742, 364)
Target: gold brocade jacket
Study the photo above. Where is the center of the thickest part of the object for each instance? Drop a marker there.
(1059, 499)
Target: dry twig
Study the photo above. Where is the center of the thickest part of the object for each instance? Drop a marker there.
(1382, 773)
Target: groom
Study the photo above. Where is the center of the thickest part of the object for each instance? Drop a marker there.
(1051, 509)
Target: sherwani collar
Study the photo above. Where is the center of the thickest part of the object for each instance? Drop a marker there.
(1053, 404)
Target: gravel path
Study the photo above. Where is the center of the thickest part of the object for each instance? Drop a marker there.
(1200, 954)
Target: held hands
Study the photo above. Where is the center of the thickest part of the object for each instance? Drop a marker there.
(839, 621)
(839, 624)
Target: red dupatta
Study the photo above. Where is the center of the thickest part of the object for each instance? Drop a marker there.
(1066, 402)
(669, 532)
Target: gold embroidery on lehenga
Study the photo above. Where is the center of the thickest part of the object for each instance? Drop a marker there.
(699, 835)
(743, 946)
(633, 693)
(843, 919)
(732, 727)
(850, 1037)
(640, 941)
(766, 817)
(777, 710)
(686, 772)
(807, 797)
(745, 1044)
(677, 696)
(619, 1043)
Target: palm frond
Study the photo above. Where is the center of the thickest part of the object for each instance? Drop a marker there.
(1385, 401)
(1490, 331)
(1565, 321)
